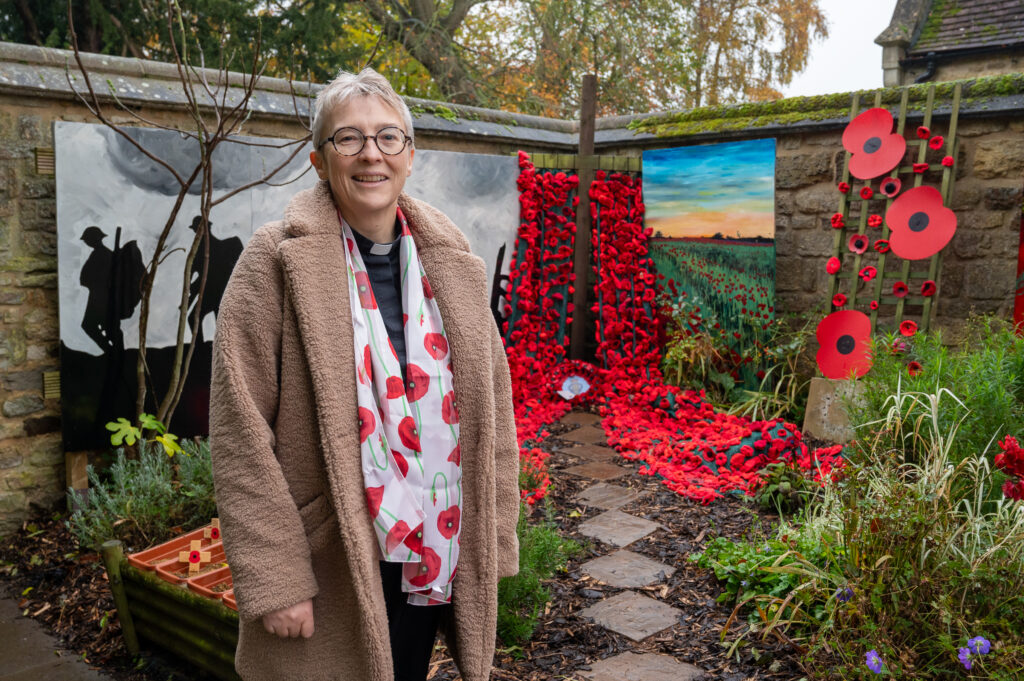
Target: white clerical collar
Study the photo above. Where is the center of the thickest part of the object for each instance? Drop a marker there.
(381, 249)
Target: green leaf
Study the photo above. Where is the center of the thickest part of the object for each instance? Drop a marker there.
(123, 432)
(150, 422)
(169, 441)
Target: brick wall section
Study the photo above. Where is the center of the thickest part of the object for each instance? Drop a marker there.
(980, 264)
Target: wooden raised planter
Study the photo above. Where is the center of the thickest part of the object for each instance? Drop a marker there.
(191, 626)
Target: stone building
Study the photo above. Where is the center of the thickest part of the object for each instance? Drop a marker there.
(943, 40)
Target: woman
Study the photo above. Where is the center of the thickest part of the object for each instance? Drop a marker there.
(364, 448)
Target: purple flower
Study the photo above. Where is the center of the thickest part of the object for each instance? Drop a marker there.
(979, 645)
(874, 662)
(844, 595)
(965, 658)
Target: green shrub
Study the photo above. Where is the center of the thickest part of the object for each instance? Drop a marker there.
(985, 372)
(139, 501)
(909, 555)
(784, 488)
(521, 598)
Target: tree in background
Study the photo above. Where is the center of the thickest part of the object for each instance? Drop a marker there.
(523, 55)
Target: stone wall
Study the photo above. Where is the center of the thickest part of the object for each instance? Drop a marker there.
(979, 266)
(34, 94)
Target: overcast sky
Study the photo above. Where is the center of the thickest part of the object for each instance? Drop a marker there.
(848, 59)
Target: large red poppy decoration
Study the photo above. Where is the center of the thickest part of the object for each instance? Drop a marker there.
(875, 149)
(845, 350)
(920, 225)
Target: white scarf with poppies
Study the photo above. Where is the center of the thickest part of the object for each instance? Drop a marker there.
(409, 430)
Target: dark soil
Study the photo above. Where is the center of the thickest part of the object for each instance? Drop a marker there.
(66, 589)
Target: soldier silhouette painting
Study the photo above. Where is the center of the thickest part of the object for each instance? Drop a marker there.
(113, 279)
(223, 255)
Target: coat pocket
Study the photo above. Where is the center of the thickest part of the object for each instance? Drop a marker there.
(319, 522)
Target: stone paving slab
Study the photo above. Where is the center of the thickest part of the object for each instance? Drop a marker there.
(632, 615)
(607, 497)
(645, 667)
(617, 528)
(626, 569)
(598, 470)
(581, 418)
(587, 435)
(590, 452)
(29, 653)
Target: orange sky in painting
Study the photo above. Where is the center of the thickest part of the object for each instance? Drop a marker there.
(733, 225)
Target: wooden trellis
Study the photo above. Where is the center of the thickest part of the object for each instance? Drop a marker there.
(909, 271)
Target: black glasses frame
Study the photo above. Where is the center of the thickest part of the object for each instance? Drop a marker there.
(405, 141)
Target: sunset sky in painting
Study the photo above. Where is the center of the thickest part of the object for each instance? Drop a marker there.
(703, 190)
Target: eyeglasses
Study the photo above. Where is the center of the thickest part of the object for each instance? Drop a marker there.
(350, 141)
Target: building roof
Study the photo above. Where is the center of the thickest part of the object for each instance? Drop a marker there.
(954, 25)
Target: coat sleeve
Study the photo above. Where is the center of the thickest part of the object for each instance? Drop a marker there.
(264, 540)
(506, 462)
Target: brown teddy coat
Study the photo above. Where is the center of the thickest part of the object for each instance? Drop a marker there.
(285, 445)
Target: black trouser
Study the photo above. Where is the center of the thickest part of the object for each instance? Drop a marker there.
(413, 628)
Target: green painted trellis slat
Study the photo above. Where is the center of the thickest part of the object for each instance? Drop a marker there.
(906, 273)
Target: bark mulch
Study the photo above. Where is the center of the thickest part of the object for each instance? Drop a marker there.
(565, 643)
(66, 589)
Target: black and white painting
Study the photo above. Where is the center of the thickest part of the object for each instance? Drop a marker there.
(112, 204)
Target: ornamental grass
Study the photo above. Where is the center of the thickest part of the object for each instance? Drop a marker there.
(898, 566)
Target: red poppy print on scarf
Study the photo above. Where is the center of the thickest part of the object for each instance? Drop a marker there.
(374, 495)
(448, 522)
(845, 340)
(367, 423)
(368, 363)
(403, 465)
(456, 456)
(395, 387)
(449, 413)
(875, 149)
(408, 433)
(424, 572)
(920, 225)
(436, 344)
(414, 540)
(427, 291)
(396, 535)
(417, 381)
(365, 291)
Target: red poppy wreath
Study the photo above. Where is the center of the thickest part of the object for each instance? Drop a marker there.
(845, 340)
(920, 225)
(875, 149)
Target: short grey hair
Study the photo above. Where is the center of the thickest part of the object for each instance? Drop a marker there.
(347, 85)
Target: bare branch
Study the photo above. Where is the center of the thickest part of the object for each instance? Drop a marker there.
(265, 178)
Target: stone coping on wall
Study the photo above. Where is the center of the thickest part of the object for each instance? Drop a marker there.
(988, 96)
(28, 70)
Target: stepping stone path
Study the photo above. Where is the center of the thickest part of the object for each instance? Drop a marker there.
(628, 613)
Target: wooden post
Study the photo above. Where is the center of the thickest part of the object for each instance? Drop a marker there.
(113, 554)
(581, 260)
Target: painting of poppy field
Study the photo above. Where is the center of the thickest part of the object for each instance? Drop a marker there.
(711, 209)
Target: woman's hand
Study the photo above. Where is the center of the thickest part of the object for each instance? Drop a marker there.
(291, 622)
